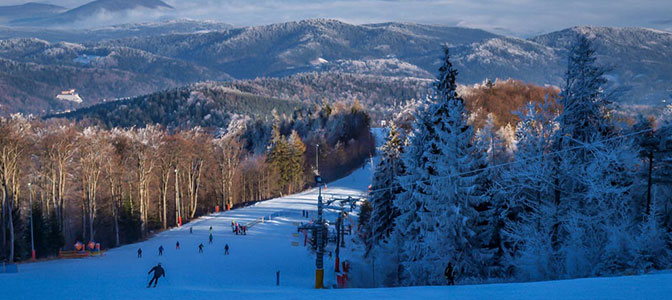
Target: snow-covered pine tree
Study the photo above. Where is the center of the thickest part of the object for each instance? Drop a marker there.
(485, 222)
(409, 204)
(663, 184)
(593, 173)
(530, 210)
(648, 143)
(438, 205)
(584, 106)
(492, 143)
(383, 189)
(652, 252)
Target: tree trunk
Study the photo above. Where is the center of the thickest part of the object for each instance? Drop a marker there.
(10, 218)
(115, 211)
(650, 183)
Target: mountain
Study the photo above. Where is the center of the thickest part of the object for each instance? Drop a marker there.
(294, 47)
(640, 56)
(94, 9)
(640, 59)
(180, 26)
(29, 10)
(184, 52)
(33, 72)
(504, 57)
(205, 105)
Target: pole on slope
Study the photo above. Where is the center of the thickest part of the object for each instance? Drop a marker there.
(319, 262)
(338, 244)
(32, 238)
(177, 200)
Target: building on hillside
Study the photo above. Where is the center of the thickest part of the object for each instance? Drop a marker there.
(69, 95)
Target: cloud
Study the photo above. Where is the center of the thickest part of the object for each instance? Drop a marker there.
(521, 17)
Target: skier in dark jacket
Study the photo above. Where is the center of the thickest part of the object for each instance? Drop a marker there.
(139, 252)
(450, 274)
(158, 272)
(200, 248)
(177, 245)
(210, 239)
(161, 250)
(226, 249)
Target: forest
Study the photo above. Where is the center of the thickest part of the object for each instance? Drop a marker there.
(572, 189)
(118, 185)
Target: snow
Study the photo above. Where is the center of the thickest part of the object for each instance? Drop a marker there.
(249, 271)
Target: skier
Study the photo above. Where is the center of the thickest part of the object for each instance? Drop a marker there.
(450, 274)
(139, 252)
(158, 272)
(226, 249)
(177, 245)
(210, 239)
(191, 230)
(161, 250)
(210, 229)
(200, 248)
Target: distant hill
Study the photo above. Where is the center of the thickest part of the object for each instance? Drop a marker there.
(294, 47)
(33, 72)
(29, 10)
(173, 54)
(640, 59)
(205, 105)
(92, 9)
(181, 26)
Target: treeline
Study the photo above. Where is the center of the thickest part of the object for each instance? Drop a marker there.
(379, 94)
(204, 105)
(116, 186)
(577, 192)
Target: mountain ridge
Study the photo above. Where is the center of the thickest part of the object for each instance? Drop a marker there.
(91, 9)
(213, 52)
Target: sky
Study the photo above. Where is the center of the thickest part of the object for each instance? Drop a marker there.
(515, 17)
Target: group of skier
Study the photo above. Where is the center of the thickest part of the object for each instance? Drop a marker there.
(238, 229)
(158, 269)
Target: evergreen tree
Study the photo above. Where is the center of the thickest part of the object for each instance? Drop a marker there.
(279, 156)
(55, 238)
(40, 232)
(297, 150)
(384, 186)
(491, 142)
(593, 173)
(584, 107)
(663, 187)
(648, 143)
(528, 196)
(438, 206)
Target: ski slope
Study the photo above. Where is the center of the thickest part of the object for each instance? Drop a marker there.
(250, 269)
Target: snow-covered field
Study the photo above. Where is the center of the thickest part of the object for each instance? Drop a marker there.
(250, 269)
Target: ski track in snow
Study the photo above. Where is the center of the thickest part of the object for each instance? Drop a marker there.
(249, 271)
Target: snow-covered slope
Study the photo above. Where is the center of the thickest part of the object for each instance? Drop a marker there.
(249, 271)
